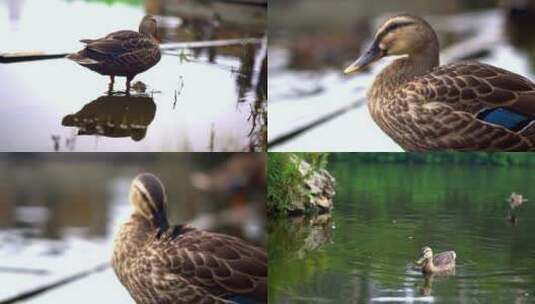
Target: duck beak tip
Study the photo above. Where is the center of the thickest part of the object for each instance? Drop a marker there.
(351, 70)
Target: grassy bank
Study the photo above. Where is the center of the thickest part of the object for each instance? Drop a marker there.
(285, 180)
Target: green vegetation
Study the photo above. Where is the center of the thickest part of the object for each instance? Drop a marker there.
(317, 160)
(283, 181)
(460, 158)
(284, 178)
(384, 214)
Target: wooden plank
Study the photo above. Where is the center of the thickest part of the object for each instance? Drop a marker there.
(317, 122)
(246, 2)
(28, 56)
(31, 56)
(34, 292)
(209, 43)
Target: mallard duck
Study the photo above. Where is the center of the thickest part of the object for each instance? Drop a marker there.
(461, 106)
(440, 263)
(122, 53)
(516, 199)
(160, 263)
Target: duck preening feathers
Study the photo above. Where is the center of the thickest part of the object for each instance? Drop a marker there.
(164, 264)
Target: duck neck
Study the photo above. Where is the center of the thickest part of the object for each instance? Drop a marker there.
(132, 237)
(404, 70)
(430, 266)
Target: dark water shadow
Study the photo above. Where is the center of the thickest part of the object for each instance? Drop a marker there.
(114, 116)
(307, 234)
(426, 288)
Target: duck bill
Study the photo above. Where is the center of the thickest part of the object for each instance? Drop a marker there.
(373, 54)
(420, 261)
(161, 221)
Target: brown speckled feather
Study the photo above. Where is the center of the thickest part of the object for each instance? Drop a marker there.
(470, 86)
(423, 106)
(444, 258)
(443, 105)
(186, 265)
(121, 53)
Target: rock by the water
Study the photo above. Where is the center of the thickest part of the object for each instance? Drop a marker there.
(317, 193)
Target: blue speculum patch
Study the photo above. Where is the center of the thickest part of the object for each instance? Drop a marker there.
(242, 300)
(504, 117)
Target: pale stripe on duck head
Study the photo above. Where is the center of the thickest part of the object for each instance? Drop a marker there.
(147, 196)
(425, 254)
(400, 35)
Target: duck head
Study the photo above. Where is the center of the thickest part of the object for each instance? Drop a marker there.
(148, 198)
(425, 255)
(149, 27)
(398, 35)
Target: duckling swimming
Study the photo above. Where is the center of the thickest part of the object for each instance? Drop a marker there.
(441, 263)
(516, 199)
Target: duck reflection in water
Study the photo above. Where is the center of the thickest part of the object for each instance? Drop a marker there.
(427, 287)
(114, 116)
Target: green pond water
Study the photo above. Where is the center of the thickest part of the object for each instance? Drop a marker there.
(364, 252)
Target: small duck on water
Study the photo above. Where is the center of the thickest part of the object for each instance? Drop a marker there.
(441, 263)
(122, 53)
(516, 199)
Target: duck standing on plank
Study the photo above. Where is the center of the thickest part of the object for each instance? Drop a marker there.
(122, 53)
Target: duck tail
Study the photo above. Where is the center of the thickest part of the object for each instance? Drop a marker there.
(87, 41)
(81, 59)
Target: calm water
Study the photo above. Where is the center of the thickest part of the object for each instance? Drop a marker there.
(365, 251)
(196, 99)
(56, 221)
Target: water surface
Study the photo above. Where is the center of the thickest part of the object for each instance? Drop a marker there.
(200, 99)
(365, 251)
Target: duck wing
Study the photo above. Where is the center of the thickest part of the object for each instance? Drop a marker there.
(115, 45)
(444, 258)
(118, 35)
(492, 94)
(212, 264)
(467, 106)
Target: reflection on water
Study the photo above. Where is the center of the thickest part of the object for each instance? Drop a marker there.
(385, 214)
(114, 116)
(59, 210)
(224, 86)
